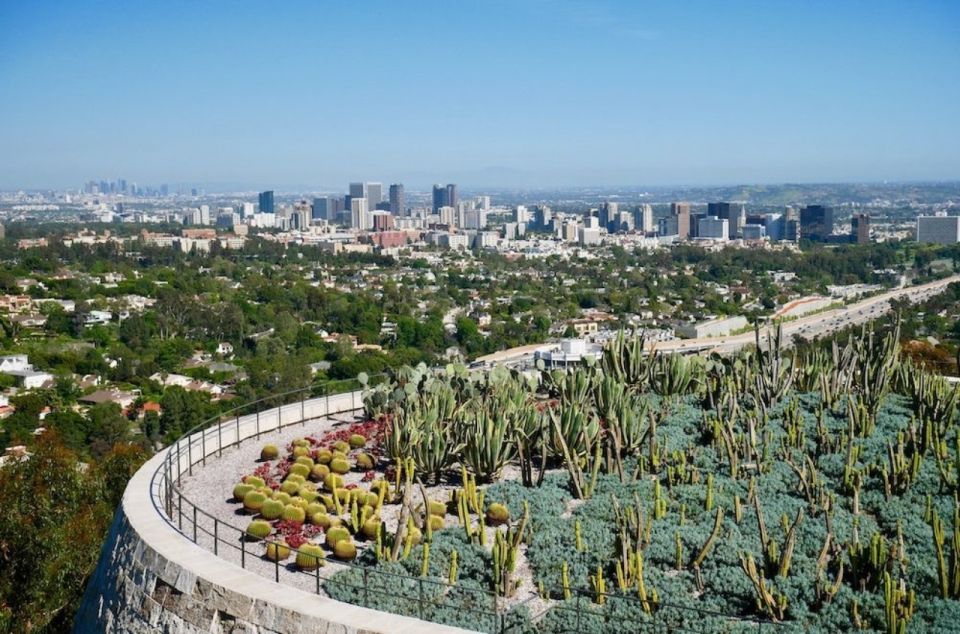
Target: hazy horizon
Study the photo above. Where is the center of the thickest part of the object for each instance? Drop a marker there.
(529, 95)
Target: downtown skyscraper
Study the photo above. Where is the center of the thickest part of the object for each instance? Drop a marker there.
(398, 201)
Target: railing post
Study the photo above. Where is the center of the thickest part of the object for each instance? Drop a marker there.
(180, 511)
(238, 429)
(243, 550)
(203, 445)
(194, 523)
(258, 425)
(420, 602)
(366, 596)
(316, 571)
(276, 566)
(303, 415)
(216, 534)
(219, 438)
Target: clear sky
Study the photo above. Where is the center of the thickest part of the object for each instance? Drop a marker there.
(486, 92)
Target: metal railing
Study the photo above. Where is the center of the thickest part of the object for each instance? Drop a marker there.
(421, 597)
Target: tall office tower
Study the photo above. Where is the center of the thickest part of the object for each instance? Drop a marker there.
(520, 214)
(359, 215)
(643, 220)
(357, 190)
(624, 222)
(667, 226)
(816, 222)
(374, 195)
(323, 208)
(860, 228)
(682, 213)
(939, 229)
(354, 190)
(266, 202)
(398, 202)
(439, 197)
(246, 210)
(444, 196)
(735, 213)
(544, 217)
(483, 202)
(791, 230)
(695, 224)
(608, 214)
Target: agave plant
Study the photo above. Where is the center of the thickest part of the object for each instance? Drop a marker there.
(624, 359)
(487, 445)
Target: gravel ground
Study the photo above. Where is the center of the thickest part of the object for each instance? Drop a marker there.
(210, 487)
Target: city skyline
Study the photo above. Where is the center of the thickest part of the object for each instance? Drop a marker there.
(536, 94)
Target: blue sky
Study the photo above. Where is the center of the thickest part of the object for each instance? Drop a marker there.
(522, 93)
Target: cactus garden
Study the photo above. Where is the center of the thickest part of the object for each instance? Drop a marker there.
(813, 492)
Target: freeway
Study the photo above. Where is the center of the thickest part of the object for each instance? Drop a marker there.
(817, 325)
(810, 327)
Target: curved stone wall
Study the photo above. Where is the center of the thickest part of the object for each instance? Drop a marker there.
(151, 578)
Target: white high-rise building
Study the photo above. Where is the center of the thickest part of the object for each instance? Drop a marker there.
(646, 219)
(359, 215)
(247, 210)
(940, 229)
(521, 214)
(713, 227)
(448, 216)
(483, 202)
